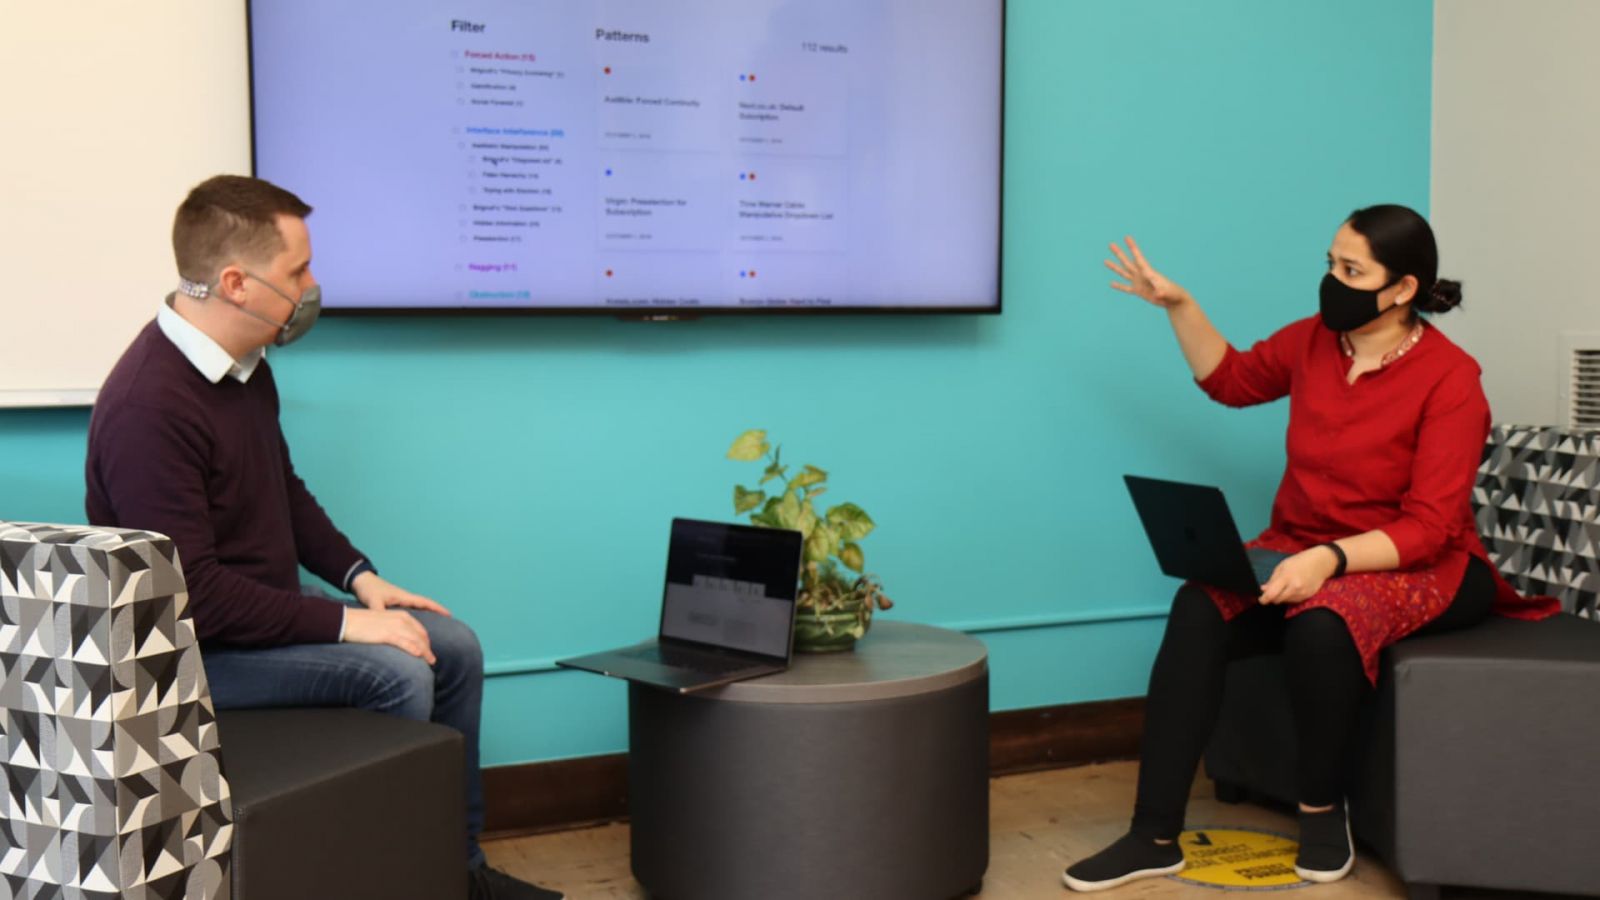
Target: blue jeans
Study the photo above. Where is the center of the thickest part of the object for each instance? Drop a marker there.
(375, 677)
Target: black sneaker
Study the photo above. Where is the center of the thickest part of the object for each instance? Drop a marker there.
(1326, 852)
(1129, 859)
(484, 883)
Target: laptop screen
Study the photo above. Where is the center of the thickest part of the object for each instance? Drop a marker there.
(731, 586)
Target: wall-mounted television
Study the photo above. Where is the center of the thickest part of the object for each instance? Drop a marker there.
(638, 157)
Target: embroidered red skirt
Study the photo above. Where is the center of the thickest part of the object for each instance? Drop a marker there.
(1379, 608)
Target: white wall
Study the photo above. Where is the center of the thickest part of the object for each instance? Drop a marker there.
(109, 112)
(1516, 188)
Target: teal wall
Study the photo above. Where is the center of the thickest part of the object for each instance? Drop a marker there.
(523, 470)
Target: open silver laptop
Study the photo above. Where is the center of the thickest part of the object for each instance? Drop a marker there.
(727, 610)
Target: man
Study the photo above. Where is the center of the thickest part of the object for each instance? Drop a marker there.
(185, 441)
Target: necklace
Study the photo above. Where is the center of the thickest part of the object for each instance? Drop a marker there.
(1399, 351)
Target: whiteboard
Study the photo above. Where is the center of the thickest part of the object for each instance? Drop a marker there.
(109, 112)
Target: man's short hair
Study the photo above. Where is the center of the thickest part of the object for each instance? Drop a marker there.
(227, 218)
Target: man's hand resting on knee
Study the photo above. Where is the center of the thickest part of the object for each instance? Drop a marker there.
(394, 627)
(385, 620)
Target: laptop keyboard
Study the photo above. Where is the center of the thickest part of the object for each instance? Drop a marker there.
(693, 661)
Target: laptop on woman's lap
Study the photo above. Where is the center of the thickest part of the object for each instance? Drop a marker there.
(1194, 536)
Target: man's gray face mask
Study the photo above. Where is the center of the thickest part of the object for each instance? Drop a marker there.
(306, 310)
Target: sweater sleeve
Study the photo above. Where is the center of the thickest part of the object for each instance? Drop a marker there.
(1261, 374)
(152, 469)
(1450, 437)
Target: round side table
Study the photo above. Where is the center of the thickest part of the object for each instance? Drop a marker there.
(862, 774)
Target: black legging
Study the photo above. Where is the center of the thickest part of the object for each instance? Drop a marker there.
(1327, 686)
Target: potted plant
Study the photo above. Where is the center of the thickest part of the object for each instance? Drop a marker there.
(837, 596)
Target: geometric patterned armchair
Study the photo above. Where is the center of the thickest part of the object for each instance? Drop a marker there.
(108, 740)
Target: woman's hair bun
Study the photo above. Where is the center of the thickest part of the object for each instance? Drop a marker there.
(1443, 297)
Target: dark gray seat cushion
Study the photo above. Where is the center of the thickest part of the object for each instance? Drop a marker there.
(344, 803)
(1494, 735)
(1474, 735)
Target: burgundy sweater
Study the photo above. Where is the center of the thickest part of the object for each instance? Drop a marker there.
(206, 464)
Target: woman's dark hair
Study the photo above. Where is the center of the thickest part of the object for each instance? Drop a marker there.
(1402, 242)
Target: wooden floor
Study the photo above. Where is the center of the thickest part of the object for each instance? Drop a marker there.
(1041, 822)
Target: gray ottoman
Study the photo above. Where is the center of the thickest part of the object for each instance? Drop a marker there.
(344, 803)
(1475, 766)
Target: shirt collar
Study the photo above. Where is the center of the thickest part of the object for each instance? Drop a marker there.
(205, 354)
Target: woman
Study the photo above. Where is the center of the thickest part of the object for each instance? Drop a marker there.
(1387, 421)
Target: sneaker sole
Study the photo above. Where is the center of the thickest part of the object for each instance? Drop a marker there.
(1321, 877)
(1324, 877)
(1087, 886)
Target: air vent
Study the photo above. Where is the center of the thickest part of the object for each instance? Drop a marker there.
(1581, 386)
(1586, 388)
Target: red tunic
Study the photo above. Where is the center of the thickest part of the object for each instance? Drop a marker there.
(1397, 451)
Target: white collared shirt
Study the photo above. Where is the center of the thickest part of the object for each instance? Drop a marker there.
(205, 354)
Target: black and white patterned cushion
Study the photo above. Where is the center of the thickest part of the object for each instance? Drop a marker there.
(1537, 501)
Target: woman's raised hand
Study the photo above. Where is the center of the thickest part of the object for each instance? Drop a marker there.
(1142, 280)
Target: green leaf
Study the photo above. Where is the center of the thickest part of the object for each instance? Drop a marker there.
(852, 521)
(787, 512)
(773, 471)
(852, 556)
(808, 476)
(750, 446)
(744, 501)
(768, 516)
(808, 519)
(820, 545)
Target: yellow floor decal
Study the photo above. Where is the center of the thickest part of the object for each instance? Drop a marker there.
(1239, 859)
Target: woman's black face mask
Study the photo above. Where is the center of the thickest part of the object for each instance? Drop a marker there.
(1345, 308)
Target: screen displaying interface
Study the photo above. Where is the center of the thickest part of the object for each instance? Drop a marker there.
(638, 155)
(731, 586)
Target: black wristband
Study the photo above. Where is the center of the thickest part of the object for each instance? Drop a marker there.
(1339, 552)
